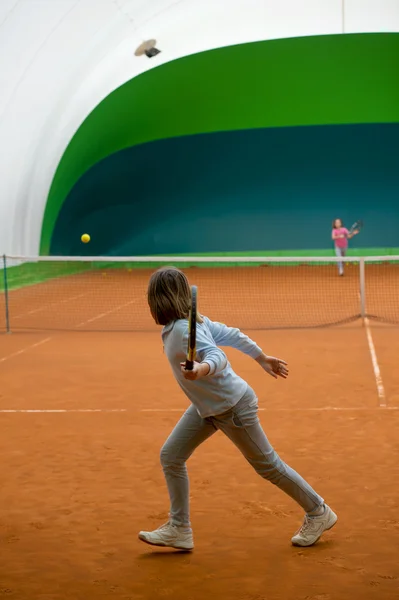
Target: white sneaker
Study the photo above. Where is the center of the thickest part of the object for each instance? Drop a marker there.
(170, 536)
(313, 527)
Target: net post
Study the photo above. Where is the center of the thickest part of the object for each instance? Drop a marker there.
(362, 288)
(6, 305)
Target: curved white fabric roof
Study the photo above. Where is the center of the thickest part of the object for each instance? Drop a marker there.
(59, 58)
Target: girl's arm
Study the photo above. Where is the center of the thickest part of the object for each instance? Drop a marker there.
(233, 338)
(211, 360)
(207, 354)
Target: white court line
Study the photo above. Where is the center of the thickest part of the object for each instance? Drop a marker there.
(376, 368)
(25, 349)
(373, 354)
(106, 313)
(321, 409)
(45, 307)
(64, 410)
(181, 410)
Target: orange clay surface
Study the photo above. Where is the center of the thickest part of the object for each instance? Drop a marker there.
(271, 297)
(76, 487)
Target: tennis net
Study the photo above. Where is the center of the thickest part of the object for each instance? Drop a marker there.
(109, 294)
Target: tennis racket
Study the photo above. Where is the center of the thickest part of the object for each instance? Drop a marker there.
(357, 225)
(192, 330)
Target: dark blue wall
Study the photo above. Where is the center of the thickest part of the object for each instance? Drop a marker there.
(266, 189)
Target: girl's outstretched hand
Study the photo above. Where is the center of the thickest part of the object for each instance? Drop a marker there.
(276, 367)
(198, 370)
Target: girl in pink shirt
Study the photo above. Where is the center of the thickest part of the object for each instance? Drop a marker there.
(340, 236)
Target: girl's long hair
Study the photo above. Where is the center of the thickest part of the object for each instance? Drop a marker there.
(335, 220)
(169, 296)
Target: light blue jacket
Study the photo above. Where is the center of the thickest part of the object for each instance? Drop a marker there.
(222, 388)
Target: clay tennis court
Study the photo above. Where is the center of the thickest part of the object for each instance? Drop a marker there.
(87, 399)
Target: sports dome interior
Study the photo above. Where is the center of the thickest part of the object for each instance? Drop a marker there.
(94, 138)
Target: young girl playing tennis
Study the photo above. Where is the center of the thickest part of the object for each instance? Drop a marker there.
(340, 236)
(220, 400)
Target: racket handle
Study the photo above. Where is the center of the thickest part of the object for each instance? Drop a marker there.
(189, 365)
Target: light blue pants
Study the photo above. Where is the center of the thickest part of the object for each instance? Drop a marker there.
(340, 252)
(241, 425)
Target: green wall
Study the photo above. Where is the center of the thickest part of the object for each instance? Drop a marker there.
(275, 189)
(313, 81)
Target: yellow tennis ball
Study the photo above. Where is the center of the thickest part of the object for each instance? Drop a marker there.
(85, 238)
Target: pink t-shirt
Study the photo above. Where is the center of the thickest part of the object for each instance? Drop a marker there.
(341, 242)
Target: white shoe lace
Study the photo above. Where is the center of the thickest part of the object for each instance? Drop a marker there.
(170, 528)
(164, 526)
(306, 526)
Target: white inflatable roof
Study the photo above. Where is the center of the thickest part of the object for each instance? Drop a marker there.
(60, 58)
